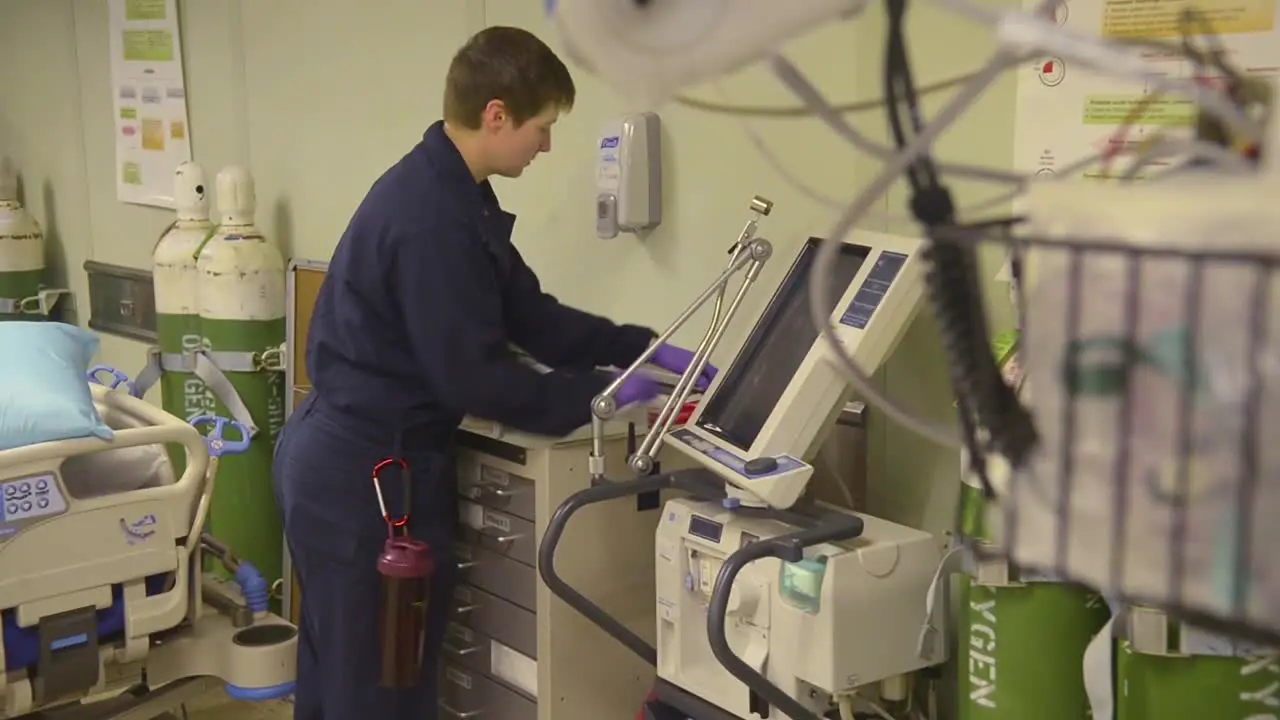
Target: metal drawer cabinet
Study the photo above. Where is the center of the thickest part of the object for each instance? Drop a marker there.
(498, 575)
(498, 531)
(494, 660)
(509, 624)
(479, 480)
(513, 650)
(469, 695)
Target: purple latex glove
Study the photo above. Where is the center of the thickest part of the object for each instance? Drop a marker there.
(676, 359)
(639, 388)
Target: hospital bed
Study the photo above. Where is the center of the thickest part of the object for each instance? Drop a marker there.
(101, 588)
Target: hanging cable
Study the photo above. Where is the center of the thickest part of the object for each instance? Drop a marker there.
(951, 272)
(783, 112)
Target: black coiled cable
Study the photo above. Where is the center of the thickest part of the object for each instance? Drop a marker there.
(952, 278)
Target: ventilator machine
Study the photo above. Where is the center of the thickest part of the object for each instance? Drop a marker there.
(769, 604)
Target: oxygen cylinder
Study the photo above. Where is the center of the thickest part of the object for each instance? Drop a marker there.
(177, 297)
(21, 252)
(241, 290)
(1173, 671)
(1021, 638)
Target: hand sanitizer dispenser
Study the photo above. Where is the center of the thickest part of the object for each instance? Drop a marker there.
(629, 176)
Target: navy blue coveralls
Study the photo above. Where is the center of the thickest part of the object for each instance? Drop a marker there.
(410, 333)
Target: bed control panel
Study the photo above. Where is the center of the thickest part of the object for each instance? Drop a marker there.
(29, 498)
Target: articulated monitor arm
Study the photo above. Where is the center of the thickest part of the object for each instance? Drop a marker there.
(748, 252)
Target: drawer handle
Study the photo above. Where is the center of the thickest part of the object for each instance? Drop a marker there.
(501, 492)
(460, 651)
(468, 564)
(458, 713)
(504, 539)
(465, 609)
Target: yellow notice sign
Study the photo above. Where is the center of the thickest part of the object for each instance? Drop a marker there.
(153, 134)
(1153, 19)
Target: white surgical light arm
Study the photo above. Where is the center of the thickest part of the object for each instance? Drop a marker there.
(649, 49)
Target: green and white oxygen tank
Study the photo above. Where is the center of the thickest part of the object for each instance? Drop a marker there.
(242, 323)
(1021, 638)
(1166, 670)
(21, 253)
(177, 298)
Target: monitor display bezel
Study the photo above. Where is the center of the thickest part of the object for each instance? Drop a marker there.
(738, 371)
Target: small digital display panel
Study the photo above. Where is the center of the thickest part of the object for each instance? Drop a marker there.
(708, 530)
(873, 290)
(779, 343)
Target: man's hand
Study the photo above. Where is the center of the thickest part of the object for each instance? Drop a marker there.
(676, 359)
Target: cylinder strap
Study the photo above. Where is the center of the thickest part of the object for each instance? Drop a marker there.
(222, 388)
(42, 303)
(1148, 631)
(1098, 685)
(226, 361)
(993, 572)
(149, 375)
(211, 367)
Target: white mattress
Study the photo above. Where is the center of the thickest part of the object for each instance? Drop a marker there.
(116, 471)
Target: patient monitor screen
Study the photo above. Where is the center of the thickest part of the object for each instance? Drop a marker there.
(755, 382)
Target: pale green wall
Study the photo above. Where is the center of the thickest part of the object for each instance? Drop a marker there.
(56, 124)
(317, 97)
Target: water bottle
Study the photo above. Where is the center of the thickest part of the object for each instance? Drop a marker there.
(406, 568)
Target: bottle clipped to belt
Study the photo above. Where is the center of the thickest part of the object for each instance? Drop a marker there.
(406, 568)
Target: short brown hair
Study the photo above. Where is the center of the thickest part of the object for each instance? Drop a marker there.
(507, 64)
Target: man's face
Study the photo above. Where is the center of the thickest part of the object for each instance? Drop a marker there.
(512, 148)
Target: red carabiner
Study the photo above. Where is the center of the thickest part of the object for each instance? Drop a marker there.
(402, 522)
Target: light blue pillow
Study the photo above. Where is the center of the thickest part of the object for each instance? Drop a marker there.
(44, 395)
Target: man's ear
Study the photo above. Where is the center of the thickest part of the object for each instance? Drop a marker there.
(494, 115)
